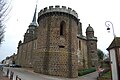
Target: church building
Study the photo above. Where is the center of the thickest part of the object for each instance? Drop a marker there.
(55, 45)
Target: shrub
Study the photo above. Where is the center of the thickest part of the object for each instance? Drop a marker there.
(106, 76)
(85, 71)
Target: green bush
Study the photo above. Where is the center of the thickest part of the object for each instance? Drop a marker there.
(107, 75)
(85, 71)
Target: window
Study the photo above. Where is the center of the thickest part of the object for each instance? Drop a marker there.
(61, 46)
(91, 43)
(27, 31)
(92, 51)
(79, 44)
(62, 28)
(35, 45)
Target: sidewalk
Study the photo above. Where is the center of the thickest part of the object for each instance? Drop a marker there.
(90, 76)
(29, 74)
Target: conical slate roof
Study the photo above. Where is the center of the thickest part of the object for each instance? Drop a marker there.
(34, 22)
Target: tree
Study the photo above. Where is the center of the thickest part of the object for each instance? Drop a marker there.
(100, 56)
(4, 10)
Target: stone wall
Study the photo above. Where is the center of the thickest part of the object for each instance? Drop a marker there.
(26, 53)
(83, 59)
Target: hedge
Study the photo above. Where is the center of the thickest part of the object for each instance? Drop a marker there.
(86, 71)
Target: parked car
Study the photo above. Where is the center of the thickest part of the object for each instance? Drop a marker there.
(15, 65)
(1, 66)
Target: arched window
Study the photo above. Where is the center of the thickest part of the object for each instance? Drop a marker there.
(62, 28)
(27, 31)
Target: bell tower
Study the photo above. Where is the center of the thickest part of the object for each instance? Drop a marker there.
(31, 31)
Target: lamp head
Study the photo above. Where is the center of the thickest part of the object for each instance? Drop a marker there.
(108, 29)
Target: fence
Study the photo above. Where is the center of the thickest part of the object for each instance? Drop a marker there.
(12, 75)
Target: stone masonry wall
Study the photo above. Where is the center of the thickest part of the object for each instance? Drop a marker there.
(25, 54)
(83, 56)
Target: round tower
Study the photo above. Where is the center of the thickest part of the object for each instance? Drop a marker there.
(57, 42)
(91, 47)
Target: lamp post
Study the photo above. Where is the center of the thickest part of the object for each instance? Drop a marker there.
(108, 24)
(113, 54)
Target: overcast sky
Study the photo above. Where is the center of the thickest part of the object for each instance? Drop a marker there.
(93, 12)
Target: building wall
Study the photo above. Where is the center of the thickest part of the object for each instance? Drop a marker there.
(113, 65)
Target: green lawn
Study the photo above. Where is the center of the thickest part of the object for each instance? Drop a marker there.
(107, 75)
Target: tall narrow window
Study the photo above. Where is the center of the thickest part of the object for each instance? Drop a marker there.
(79, 44)
(62, 28)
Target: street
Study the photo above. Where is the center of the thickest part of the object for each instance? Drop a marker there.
(25, 74)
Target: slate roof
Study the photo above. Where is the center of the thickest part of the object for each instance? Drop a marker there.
(115, 43)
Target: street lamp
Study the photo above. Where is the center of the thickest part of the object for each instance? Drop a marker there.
(108, 24)
(113, 53)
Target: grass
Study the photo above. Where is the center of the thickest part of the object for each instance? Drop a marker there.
(86, 71)
(107, 75)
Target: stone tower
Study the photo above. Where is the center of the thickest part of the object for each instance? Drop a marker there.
(91, 47)
(56, 52)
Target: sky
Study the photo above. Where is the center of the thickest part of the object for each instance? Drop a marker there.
(93, 12)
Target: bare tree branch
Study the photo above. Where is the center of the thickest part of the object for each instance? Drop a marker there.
(4, 11)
